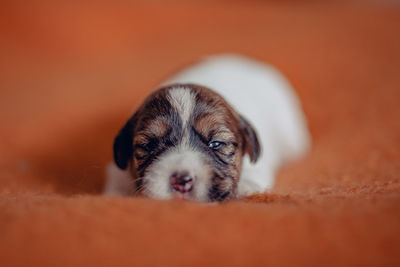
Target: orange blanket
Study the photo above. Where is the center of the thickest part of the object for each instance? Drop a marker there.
(70, 75)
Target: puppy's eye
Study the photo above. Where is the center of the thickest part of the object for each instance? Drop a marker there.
(149, 146)
(215, 145)
(140, 154)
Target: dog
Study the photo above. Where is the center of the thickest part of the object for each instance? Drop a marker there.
(215, 131)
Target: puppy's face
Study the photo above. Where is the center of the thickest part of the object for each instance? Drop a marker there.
(185, 141)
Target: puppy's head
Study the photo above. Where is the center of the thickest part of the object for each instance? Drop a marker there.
(185, 141)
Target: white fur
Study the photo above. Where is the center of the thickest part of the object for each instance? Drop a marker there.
(177, 160)
(183, 101)
(263, 96)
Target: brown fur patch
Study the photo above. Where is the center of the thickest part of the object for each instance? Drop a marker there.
(156, 128)
(213, 126)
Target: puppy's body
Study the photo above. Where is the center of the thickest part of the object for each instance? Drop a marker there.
(261, 95)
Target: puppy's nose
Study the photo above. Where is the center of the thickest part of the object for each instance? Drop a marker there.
(181, 182)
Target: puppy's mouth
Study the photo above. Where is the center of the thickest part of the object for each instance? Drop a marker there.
(181, 196)
(188, 196)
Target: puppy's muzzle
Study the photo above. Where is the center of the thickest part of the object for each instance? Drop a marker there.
(181, 182)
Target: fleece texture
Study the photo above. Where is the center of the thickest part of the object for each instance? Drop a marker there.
(71, 74)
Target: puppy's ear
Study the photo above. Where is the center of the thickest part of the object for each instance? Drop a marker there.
(123, 146)
(251, 145)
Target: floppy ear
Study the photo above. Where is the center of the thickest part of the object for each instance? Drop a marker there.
(251, 145)
(123, 147)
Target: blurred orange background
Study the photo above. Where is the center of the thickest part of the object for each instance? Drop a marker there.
(71, 74)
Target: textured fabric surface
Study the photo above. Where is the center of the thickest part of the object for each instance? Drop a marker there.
(70, 75)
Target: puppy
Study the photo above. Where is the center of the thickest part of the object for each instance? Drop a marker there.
(215, 131)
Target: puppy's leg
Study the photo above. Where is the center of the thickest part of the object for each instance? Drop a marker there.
(118, 182)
